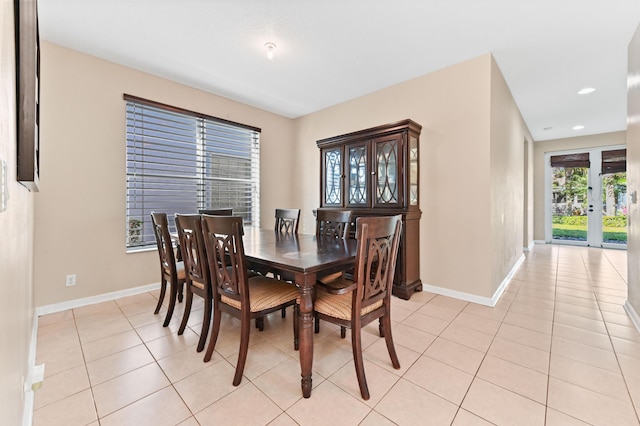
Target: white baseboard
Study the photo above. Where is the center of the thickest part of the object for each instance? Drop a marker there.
(486, 301)
(70, 304)
(635, 318)
(530, 247)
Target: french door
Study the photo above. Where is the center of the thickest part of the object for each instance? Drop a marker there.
(586, 197)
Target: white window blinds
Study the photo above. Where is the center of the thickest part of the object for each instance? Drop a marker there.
(179, 161)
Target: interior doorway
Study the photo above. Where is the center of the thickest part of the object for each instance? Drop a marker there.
(586, 197)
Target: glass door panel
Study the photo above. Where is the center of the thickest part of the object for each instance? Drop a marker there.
(614, 208)
(387, 183)
(569, 203)
(358, 175)
(332, 185)
(413, 171)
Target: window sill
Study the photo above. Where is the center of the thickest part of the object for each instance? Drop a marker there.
(131, 250)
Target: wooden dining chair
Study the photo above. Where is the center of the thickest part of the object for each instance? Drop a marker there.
(234, 292)
(171, 271)
(331, 224)
(287, 220)
(355, 303)
(196, 268)
(216, 212)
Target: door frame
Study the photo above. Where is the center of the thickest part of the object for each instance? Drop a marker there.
(594, 228)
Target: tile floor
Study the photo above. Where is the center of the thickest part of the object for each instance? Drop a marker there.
(558, 349)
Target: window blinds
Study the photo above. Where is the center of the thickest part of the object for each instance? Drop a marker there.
(179, 161)
(613, 161)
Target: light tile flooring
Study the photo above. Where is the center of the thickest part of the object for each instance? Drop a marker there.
(558, 349)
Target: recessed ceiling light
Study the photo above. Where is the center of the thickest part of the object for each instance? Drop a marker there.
(578, 127)
(270, 46)
(586, 90)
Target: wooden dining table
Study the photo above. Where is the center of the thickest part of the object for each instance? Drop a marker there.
(305, 258)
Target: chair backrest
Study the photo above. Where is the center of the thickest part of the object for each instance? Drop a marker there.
(333, 223)
(378, 241)
(193, 250)
(225, 251)
(217, 212)
(287, 220)
(164, 243)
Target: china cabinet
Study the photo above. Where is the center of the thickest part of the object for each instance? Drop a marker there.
(375, 172)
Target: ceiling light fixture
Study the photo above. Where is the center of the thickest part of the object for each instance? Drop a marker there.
(586, 90)
(578, 127)
(271, 46)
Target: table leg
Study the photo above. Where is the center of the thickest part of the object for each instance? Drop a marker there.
(305, 286)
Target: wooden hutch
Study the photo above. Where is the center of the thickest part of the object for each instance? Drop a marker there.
(375, 172)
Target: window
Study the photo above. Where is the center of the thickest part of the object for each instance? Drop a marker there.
(179, 161)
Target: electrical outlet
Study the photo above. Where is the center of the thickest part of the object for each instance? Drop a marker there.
(71, 280)
(37, 377)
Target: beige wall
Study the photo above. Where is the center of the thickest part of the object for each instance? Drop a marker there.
(507, 186)
(80, 213)
(633, 170)
(454, 106)
(542, 147)
(81, 206)
(16, 229)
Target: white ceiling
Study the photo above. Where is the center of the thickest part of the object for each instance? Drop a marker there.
(330, 51)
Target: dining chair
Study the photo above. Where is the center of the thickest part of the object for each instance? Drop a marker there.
(171, 271)
(355, 303)
(196, 267)
(333, 223)
(217, 212)
(287, 220)
(234, 292)
(289, 278)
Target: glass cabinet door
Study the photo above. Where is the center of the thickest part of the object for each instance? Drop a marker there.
(387, 177)
(413, 170)
(357, 175)
(332, 184)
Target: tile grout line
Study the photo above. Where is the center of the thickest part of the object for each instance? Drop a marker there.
(155, 360)
(615, 352)
(537, 262)
(553, 322)
(86, 367)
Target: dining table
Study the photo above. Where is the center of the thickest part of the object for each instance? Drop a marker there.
(304, 258)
